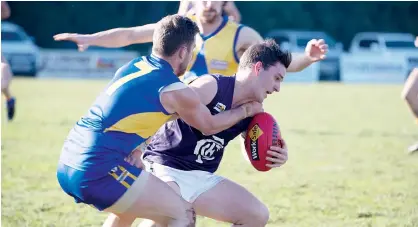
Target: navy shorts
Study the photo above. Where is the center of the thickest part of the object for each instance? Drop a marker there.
(101, 189)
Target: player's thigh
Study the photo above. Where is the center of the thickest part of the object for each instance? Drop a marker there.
(158, 199)
(3, 59)
(230, 202)
(411, 83)
(6, 75)
(157, 218)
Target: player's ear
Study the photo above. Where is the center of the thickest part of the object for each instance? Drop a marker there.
(182, 52)
(257, 67)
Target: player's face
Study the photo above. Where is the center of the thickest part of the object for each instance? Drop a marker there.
(187, 57)
(269, 81)
(208, 11)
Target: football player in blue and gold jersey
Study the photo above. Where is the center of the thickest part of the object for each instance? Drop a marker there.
(143, 95)
(219, 46)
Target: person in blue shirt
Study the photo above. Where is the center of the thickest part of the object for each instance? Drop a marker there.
(143, 95)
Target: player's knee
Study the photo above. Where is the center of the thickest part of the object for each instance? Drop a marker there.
(257, 215)
(181, 222)
(119, 220)
(261, 215)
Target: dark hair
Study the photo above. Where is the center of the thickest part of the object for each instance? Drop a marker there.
(268, 53)
(171, 33)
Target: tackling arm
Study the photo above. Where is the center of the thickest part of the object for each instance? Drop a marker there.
(186, 103)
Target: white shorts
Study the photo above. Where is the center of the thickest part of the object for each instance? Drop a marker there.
(192, 183)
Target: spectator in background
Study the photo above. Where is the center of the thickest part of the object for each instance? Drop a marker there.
(228, 7)
(6, 72)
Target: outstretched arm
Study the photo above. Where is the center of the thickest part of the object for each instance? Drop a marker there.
(117, 37)
(315, 49)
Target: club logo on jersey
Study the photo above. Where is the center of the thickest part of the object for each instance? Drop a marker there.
(206, 148)
(254, 133)
(218, 64)
(220, 107)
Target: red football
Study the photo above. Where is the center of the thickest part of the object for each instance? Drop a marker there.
(262, 133)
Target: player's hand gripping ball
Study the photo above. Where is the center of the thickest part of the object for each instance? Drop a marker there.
(262, 133)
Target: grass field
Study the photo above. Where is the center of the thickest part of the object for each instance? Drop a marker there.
(347, 161)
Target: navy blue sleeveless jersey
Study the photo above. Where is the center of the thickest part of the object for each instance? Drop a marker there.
(183, 147)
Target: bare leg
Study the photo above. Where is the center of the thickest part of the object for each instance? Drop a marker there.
(230, 202)
(410, 94)
(159, 202)
(6, 77)
(151, 223)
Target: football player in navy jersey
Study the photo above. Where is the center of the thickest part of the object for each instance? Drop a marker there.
(186, 159)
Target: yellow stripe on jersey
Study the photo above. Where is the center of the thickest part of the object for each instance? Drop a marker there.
(144, 69)
(142, 124)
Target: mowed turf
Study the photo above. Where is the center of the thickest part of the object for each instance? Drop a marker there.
(347, 157)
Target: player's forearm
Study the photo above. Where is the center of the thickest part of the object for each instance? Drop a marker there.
(120, 37)
(224, 120)
(299, 62)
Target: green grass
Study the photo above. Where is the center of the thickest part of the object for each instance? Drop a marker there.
(347, 161)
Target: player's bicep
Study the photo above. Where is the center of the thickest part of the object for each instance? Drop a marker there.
(186, 103)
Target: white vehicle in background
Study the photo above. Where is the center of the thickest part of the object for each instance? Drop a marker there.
(295, 41)
(377, 57)
(389, 44)
(19, 49)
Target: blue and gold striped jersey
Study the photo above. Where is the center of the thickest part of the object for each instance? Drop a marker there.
(124, 115)
(215, 53)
